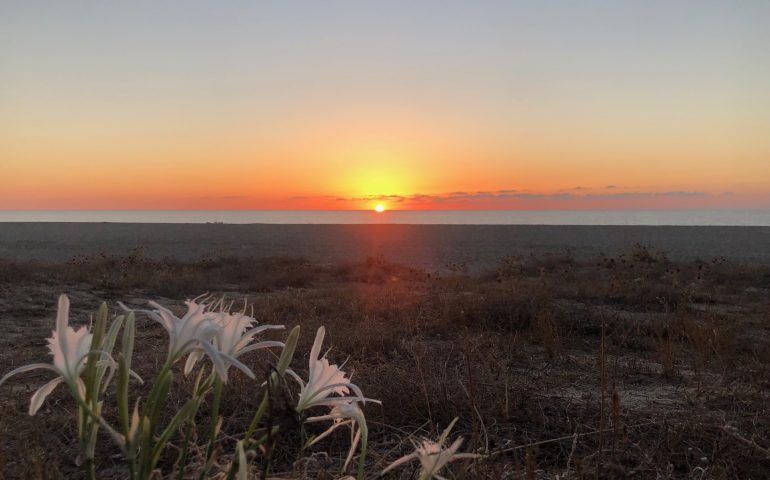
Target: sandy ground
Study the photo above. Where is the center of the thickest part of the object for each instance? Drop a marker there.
(427, 246)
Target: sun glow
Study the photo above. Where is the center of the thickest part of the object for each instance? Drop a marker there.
(379, 208)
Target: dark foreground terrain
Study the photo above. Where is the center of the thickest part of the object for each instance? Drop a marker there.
(623, 366)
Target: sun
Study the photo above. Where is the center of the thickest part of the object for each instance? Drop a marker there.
(379, 208)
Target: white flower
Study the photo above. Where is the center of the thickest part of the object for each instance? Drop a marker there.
(347, 413)
(194, 330)
(234, 339)
(433, 456)
(324, 380)
(69, 348)
(186, 333)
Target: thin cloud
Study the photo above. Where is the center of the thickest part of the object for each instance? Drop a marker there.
(646, 194)
(513, 194)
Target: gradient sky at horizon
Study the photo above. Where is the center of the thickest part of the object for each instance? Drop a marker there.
(431, 104)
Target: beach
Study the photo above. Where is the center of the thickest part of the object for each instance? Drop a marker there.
(433, 247)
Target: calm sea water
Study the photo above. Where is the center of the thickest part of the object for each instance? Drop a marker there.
(458, 217)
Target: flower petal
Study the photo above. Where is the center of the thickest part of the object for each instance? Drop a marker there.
(192, 359)
(262, 328)
(40, 395)
(27, 368)
(136, 376)
(296, 377)
(399, 462)
(316, 349)
(163, 320)
(216, 360)
(260, 345)
(237, 364)
(328, 432)
(62, 327)
(445, 433)
(63, 312)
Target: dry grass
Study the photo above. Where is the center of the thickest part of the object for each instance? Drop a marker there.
(629, 366)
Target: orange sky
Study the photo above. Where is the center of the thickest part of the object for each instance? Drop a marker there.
(334, 163)
(526, 107)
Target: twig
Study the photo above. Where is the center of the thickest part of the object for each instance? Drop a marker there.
(733, 432)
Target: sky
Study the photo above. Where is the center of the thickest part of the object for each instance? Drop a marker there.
(414, 104)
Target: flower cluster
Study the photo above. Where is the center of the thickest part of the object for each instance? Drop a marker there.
(82, 358)
(329, 386)
(233, 336)
(85, 360)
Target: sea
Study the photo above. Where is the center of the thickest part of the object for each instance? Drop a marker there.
(758, 217)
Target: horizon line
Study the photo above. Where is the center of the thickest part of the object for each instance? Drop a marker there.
(389, 210)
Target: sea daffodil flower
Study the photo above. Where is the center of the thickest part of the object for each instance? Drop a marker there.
(433, 456)
(234, 339)
(346, 413)
(69, 348)
(324, 380)
(194, 330)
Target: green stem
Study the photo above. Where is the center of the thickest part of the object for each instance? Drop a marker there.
(255, 420)
(235, 463)
(154, 405)
(115, 435)
(364, 442)
(88, 412)
(91, 469)
(250, 432)
(302, 436)
(214, 421)
(153, 410)
(90, 446)
(233, 469)
(199, 390)
(183, 454)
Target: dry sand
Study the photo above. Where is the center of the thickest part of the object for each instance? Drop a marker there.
(429, 246)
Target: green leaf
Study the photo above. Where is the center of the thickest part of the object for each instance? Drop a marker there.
(243, 467)
(287, 355)
(187, 412)
(90, 377)
(124, 371)
(107, 346)
(122, 393)
(158, 400)
(128, 338)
